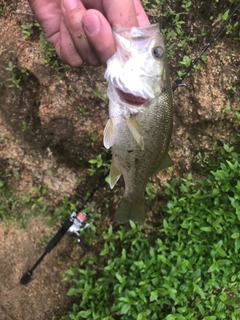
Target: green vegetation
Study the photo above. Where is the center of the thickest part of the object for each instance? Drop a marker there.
(230, 27)
(181, 31)
(98, 94)
(187, 265)
(82, 110)
(50, 56)
(24, 126)
(93, 137)
(96, 164)
(186, 268)
(19, 209)
(16, 75)
(150, 191)
(14, 79)
(26, 30)
(227, 108)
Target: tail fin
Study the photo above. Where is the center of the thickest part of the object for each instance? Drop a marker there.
(130, 210)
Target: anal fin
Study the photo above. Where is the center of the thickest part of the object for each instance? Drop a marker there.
(136, 131)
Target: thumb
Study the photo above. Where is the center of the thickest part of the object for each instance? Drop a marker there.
(99, 34)
(98, 28)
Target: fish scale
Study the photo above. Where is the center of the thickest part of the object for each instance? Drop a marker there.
(139, 135)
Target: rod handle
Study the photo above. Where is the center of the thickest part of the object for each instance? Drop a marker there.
(26, 277)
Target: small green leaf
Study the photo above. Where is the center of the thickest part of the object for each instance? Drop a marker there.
(199, 290)
(206, 229)
(70, 272)
(84, 314)
(235, 235)
(132, 224)
(154, 295)
(72, 292)
(125, 309)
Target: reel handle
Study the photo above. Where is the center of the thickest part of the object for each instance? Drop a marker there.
(82, 245)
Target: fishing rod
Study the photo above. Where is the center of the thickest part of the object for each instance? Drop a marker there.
(78, 220)
(179, 82)
(73, 225)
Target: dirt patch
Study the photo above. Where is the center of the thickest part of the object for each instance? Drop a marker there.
(51, 126)
(45, 295)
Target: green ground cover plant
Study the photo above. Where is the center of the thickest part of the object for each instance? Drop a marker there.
(187, 268)
(16, 208)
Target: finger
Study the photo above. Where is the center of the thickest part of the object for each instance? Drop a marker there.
(141, 14)
(65, 47)
(73, 19)
(99, 34)
(93, 4)
(120, 13)
(48, 14)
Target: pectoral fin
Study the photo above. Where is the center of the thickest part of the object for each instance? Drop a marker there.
(136, 131)
(108, 135)
(115, 174)
(165, 163)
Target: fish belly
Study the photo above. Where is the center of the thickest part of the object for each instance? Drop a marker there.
(137, 164)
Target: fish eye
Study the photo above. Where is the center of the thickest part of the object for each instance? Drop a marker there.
(157, 52)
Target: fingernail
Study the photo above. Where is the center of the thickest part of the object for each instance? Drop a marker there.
(92, 24)
(70, 4)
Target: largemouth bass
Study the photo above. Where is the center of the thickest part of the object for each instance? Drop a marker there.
(140, 112)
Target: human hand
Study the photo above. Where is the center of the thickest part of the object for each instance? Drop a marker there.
(81, 30)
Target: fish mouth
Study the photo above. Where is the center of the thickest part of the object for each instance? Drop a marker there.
(130, 98)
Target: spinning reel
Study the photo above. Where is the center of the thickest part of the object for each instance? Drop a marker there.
(73, 225)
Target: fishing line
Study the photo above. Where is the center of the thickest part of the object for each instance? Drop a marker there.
(179, 82)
